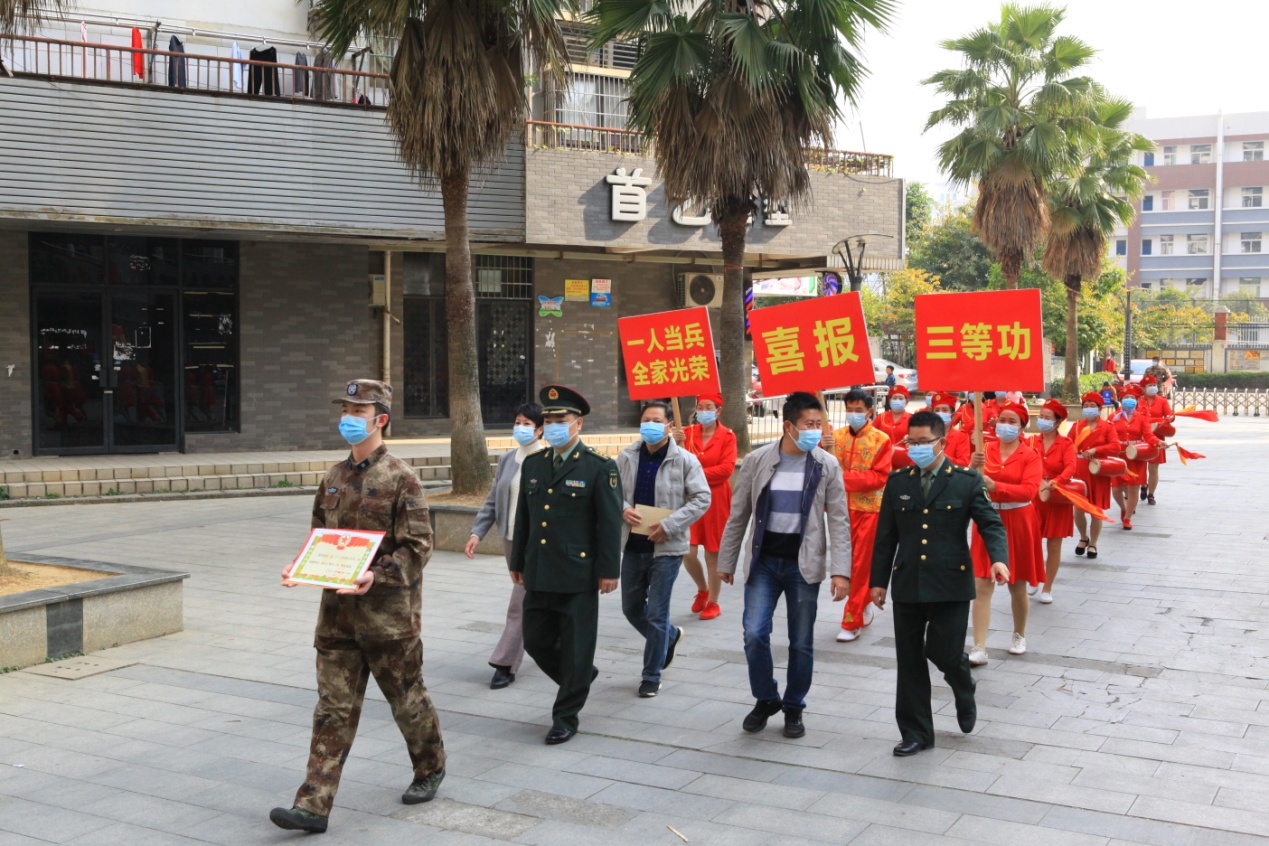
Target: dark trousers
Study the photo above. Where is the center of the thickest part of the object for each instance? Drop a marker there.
(560, 630)
(343, 669)
(933, 631)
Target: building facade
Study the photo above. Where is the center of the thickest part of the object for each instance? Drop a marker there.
(1204, 218)
(201, 239)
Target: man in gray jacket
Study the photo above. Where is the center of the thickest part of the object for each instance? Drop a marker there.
(787, 487)
(656, 472)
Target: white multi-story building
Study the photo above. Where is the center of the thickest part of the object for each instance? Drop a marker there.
(1203, 226)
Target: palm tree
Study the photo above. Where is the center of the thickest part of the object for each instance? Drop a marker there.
(16, 15)
(458, 91)
(1085, 207)
(732, 93)
(1019, 108)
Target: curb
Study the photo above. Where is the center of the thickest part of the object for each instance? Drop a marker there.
(175, 497)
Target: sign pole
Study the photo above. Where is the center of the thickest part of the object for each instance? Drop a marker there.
(977, 397)
(678, 415)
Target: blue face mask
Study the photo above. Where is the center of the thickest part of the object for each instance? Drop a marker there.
(898, 404)
(1129, 404)
(808, 439)
(857, 419)
(922, 455)
(946, 417)
(557, 434)
(1007, 432)
(524, 435)
(1092, 413)
(1153, 390)
(652, 433)
(353, 429)
(706, 418)
(1044, 425)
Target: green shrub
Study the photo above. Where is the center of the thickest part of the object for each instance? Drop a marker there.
(1240, 381)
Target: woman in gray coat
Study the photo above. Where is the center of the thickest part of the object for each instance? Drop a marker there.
(500, 508)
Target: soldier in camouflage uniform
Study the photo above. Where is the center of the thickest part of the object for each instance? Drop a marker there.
(374, 628)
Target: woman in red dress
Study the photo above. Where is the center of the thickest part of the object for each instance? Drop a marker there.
(1092, 437)
(1011, 473)
(1132, 425)
(895, 421)
(1160, 411)
(715, 445)
(1057, 518)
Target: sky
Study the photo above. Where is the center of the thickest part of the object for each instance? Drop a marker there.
(1170, 58)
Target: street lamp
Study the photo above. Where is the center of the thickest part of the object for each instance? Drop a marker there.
(853, 263)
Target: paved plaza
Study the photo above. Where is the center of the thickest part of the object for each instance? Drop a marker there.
(1141, 714)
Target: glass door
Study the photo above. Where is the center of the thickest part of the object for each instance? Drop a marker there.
(142, 371)
(70, 391)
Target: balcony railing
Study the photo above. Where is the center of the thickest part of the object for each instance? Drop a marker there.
(568, 136)
(109, 63)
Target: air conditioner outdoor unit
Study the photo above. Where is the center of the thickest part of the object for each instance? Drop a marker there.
(700, 289)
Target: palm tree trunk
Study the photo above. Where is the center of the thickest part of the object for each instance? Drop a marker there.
(1071, 380)
(733, 367)
(1011, 267)
(468, 454)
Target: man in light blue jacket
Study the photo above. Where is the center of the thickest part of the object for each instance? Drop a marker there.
(500, 509)
(657, 472)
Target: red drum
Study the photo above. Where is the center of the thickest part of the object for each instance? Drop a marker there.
(1075, 486)
(901, 459)
(1141, 451)
(1108, 467)
(1164, 429)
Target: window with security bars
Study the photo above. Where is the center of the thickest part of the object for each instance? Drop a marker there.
(593, 100)
(618, 55)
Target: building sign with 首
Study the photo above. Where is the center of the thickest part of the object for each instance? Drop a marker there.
(630, 203)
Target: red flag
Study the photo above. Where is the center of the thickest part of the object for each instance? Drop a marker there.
(1209, 416)
(1083, 504)
(1185, 455)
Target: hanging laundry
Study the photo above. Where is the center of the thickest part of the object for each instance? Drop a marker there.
(266, 74)
(235, 68)
(323, 81)
(300, 77)
(175, 64)
(138, 58)
(83, 31)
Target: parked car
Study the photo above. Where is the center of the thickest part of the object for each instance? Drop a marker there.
(905, 376)
(1138, 367)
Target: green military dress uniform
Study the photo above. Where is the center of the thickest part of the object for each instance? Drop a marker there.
(378, 633)
(921, 555)
(566, 539)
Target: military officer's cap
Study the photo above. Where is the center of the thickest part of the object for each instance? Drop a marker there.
(557, 399)
(367, 391)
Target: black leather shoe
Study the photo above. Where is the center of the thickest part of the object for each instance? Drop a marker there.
(967, 712)
(908, 748)
(763, 709)
(558, 735)
(793, 726)
(669, 653)
(501, 678)
(298, 819)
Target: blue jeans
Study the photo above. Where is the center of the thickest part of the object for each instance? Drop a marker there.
(646, 584)
(768, 578)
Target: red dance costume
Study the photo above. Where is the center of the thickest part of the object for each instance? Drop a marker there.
(1133, 430)
(1057, 516)
(1159, 410)
(1103, 441)
(896, 429)
(718, 460)
(959, 447)
(1017, 482)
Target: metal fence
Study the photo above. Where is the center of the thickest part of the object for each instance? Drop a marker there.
(125, 65)
(766, 425)
(566, 136)
(1235, 402)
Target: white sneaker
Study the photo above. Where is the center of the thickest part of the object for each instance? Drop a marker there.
(847, 635)
(1046, 598)
(977, 656)
(1019, 646)
(1032, 590)
(868, 614)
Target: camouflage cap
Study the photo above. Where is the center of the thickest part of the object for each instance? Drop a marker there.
(366, 391)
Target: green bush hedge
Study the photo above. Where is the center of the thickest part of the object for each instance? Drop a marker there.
(1200, 381)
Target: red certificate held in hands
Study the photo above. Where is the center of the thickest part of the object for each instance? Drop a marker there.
(335, 558)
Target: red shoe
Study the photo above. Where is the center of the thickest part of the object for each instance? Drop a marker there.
(701, 600)
(711, 610)
(1127, 523)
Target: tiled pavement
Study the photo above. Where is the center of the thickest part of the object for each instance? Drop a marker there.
(1141, 714)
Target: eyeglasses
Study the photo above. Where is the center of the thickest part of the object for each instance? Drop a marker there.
(931, 442)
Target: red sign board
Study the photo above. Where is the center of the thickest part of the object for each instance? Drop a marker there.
(668, 354)
(812, 345)
(980, 341)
